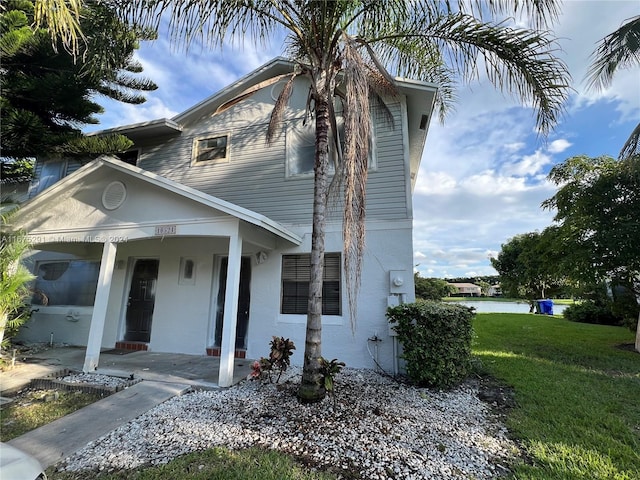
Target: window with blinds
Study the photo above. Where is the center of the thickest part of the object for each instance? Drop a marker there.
(211, 149)
(295, 284)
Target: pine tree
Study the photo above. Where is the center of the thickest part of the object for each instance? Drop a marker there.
(48, 94)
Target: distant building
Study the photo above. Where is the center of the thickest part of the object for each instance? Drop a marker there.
(495, 291)
(466, 290)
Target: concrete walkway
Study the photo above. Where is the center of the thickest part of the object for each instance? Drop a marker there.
(57, 440)
(164, 375)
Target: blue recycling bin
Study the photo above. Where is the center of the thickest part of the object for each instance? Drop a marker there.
(546, 307)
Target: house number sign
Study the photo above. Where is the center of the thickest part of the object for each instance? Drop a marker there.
(162, 230)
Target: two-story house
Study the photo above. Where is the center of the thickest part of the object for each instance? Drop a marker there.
(466, 290)
(197, 240)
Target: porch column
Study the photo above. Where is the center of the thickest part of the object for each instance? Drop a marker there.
(230, 320)
(96, 329)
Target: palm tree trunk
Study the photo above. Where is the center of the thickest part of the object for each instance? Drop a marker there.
(312, 386)
(638, 335)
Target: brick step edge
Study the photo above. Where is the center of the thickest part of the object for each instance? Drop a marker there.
(51, 382)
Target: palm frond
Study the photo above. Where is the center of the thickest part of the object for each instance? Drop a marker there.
(632, 145)
(250, 91)
(357, 124)
(619, 49)
(539, 13)
(279, 108)
(62, 20)
(519, 62)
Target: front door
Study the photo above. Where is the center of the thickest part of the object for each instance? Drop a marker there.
(142, 296)
(243, 302)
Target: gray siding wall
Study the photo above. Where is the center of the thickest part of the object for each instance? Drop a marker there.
(255, 177)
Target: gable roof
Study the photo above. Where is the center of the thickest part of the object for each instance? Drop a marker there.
(465, 285)
(51, 194)
(420, 100)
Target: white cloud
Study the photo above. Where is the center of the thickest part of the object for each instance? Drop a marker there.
(514, 147)
(527, 165)
(559, 145)
(435, 183)
(581, 26)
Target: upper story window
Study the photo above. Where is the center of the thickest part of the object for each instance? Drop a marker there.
(50, 173)
(65, 282)
(296, 271)
(214, 149)
(301, 147)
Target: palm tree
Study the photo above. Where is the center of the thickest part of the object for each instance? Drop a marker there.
(346, 49)
(618, 50)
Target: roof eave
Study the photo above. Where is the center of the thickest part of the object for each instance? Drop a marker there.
(153, 128)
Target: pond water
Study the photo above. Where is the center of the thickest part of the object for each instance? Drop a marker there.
(506, 307)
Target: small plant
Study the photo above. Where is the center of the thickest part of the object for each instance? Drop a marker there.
(329, 370)
(14, 282)
(279, 359)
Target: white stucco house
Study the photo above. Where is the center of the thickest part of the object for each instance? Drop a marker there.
(143, 251)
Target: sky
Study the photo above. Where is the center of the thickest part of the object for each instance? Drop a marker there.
(483, 172)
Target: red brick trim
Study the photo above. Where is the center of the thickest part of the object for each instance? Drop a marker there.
(215, 352)
(132, 346)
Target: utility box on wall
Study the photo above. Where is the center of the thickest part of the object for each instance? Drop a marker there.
(399, 281)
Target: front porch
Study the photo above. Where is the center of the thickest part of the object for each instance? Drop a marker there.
(197, 371)
(168, 255)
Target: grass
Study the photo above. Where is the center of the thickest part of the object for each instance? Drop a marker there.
(35, 408)
(577, 395)
(214, 464)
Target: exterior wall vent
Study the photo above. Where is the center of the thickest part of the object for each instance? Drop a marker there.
(424, 121)
(114, 195)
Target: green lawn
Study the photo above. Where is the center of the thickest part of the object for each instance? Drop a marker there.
(214, 464)
(577, 395)
(30, 410)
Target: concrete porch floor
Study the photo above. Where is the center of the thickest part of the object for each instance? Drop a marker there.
(194, 370)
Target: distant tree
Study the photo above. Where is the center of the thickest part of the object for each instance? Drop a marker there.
(620, 49)
(432, 288)
(528, 266)
(47, 93)
(484, 287)
(598, 215)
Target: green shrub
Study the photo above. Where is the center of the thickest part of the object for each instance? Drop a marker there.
(591, 311)
(436, 341)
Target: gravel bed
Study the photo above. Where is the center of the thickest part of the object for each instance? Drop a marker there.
(95, 379)
(374, 427)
